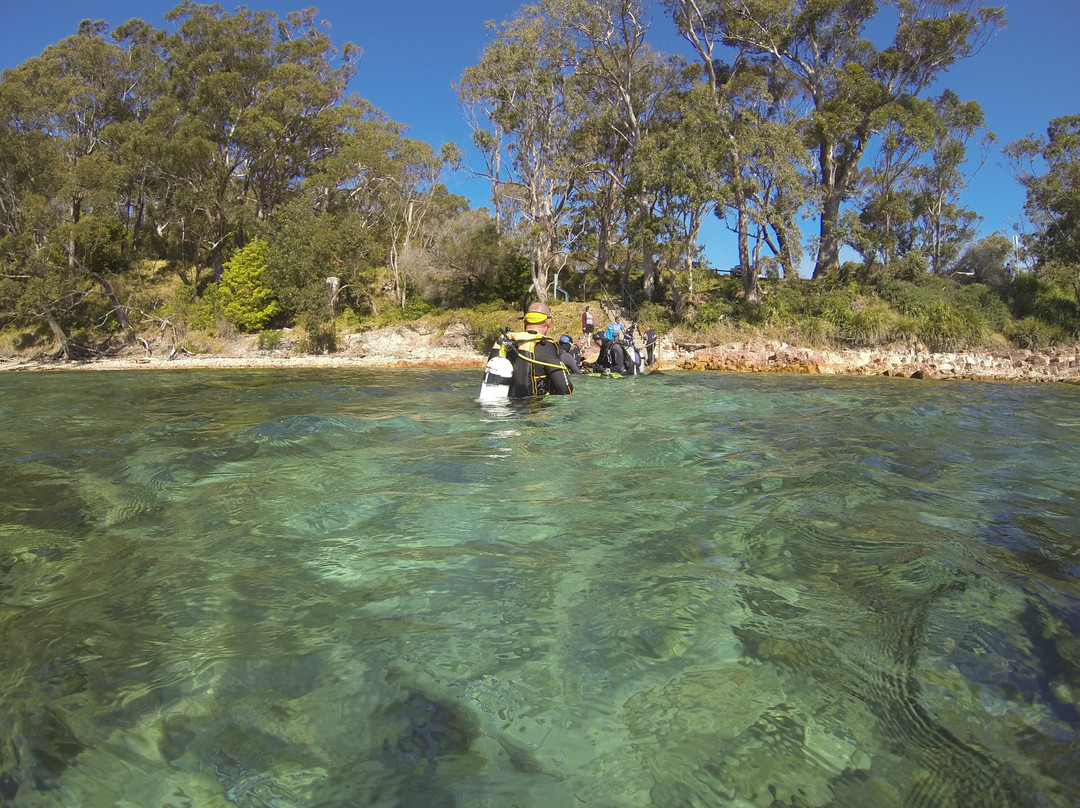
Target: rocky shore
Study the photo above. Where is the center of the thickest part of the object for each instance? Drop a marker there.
(1050, 365)
(422, 345)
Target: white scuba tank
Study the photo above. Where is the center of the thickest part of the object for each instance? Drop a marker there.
(497, 377)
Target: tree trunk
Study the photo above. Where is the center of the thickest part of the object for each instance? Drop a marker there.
(540, 275)
(829, 246)
(58, 332)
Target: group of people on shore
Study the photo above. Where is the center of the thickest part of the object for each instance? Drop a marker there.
(538, 365)
(617, 351)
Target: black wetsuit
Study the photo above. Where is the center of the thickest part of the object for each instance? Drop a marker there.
(612, 357)
(568, 360)
(570, 355)
(544, 376)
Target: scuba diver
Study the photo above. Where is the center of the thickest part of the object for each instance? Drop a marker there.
(569, 353)
(526, 363)
(612, 357)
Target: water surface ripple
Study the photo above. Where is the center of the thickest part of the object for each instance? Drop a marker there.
(325, 588)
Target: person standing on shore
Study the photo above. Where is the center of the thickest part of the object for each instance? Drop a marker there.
(650, 341)
(615, 330)
(586, 322)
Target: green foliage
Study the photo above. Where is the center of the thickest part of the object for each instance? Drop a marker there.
(269, 340)
(657, 315)
(197, 313)
(513, 278)
(244, 298)
(1035, 297)
(1033, 333)
(797, 297)
(415, 308)
(1053, 197)
(306, 247)
(946, 328)
(986, 302)
(986, 261)
(709, 314)
(321, 333)
(871, 322)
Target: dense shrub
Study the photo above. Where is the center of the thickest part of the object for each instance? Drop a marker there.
(1033, 333)
(868, 323)
(193, 311)
(986, 302)
(946, 328)
(709, 314)
(1033, 297)
(244, 298)
(657, 315)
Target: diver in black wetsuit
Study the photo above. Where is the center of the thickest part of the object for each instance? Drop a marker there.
(569, 353)
(538, 370)
(612, 357)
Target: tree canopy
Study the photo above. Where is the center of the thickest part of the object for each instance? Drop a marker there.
(231, 139)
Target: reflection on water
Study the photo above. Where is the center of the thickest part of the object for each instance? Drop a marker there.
(339, 588)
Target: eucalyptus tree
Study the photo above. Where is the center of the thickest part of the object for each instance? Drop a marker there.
(846, 81)
(627, 82)
(61, 179)
(415, 197)
(601, 210)
(35, 285)
(389, 182)
(769, 179)
(243, 109)
(700, 24)
(526, 104)
(730, 128)
(884, 227)
(939, 180)
(141, 141)
(755, 126)
(681, 166)
(911, 193)
(1048, 167)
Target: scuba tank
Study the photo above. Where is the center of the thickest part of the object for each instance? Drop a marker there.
(500, 368)
(497, 377)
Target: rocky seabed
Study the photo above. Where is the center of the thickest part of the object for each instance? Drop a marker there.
(1050, 365)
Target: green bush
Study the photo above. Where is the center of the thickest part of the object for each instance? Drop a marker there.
(709, 314)
(657, 315)
(872, 323)
(946, 328)
(984, 301)
(269, 340)
(414, 309)
(197, 313)
(1033, 333)
(321, 333)
(244, 298)
(812, 332)
(911, 299)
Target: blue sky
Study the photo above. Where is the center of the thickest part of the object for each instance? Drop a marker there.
(414, 50)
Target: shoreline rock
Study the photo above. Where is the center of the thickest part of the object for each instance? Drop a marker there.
(1049, 365)
(419, 345)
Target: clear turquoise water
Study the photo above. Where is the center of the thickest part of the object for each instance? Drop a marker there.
(359, 588)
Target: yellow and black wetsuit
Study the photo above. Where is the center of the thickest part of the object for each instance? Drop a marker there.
(538, 371)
